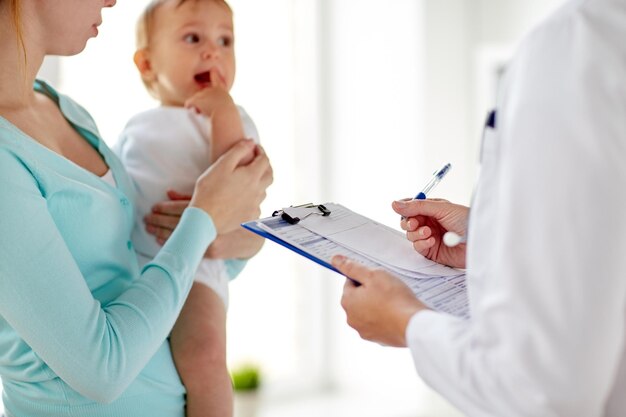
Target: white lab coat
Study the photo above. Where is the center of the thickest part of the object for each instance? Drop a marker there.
(547, 235)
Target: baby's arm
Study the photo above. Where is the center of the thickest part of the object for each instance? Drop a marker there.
(226, 130)
(216, 103)
(238, 244)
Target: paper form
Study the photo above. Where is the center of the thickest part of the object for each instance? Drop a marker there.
(387, 246)
(446, 293)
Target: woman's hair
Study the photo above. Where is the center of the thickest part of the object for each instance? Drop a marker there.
(17, 23)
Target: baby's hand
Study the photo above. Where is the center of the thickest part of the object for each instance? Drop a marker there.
(212, 98)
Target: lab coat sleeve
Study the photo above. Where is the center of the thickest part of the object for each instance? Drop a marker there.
(547, 331)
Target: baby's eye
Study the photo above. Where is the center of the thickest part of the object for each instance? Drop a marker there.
(191, 38)
(225, 41)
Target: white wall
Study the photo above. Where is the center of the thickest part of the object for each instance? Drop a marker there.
(446, 95)
(505, 21)
(464, 41)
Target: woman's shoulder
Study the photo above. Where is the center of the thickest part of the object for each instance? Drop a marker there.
(17, 168)
(11, 142)
(70, 108)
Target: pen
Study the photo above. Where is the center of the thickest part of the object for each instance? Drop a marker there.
(450, 239)
(437, 177)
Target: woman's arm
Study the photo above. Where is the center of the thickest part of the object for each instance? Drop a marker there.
(99, 349)
(165, 215)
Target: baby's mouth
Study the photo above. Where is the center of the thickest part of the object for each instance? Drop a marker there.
(203, 78)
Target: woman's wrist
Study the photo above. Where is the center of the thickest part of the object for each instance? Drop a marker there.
(210, 211)
(195, 231)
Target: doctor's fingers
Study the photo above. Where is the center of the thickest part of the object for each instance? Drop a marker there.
(353, 270)
(424, 246)
(436, 208)
(411, 224)
(421, 233)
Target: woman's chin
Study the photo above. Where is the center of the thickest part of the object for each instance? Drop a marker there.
(70, 50)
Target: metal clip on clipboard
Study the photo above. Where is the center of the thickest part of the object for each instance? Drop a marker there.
(308, 209)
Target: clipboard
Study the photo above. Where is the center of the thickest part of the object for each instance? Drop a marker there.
(253, 227)
(319, 232)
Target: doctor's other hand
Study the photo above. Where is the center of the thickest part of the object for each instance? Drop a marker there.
(427, 221)
(230, 192)
(381, 307)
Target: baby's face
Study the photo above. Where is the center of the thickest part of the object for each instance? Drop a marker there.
(187, 41)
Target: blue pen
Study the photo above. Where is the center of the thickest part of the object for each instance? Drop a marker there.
(438, 176)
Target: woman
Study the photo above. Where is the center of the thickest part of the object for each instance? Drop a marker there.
(82, 330)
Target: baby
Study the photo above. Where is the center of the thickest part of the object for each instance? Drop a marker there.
(185, 55)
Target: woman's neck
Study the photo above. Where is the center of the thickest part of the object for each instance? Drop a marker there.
(17, 71)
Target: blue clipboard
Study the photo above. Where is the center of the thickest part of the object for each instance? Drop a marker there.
(253, 227)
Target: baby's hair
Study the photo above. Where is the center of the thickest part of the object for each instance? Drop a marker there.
(145, 22)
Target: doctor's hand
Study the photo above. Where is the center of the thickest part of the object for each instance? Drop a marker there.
(381, 307)
(427, 221)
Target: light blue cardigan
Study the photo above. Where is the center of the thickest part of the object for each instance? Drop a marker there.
(82, 330)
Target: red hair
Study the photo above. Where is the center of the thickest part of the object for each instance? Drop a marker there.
(15, 12)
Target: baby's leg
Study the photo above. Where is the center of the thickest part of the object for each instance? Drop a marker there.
(198, 342)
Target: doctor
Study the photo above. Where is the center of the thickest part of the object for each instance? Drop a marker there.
(546, 239)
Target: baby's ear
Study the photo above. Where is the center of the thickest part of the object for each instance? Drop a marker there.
(143, 64)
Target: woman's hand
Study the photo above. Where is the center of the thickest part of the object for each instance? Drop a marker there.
(381, 307)
(427, 221)
(165, 216)
(230, 192)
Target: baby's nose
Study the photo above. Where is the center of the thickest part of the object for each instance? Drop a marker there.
(210, 50)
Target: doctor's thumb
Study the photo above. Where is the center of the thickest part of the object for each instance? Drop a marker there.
(429, 208)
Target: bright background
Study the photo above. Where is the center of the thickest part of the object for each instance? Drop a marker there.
(357, 102)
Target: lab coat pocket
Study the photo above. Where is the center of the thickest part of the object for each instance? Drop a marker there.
(489, 145)
(485, 186)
